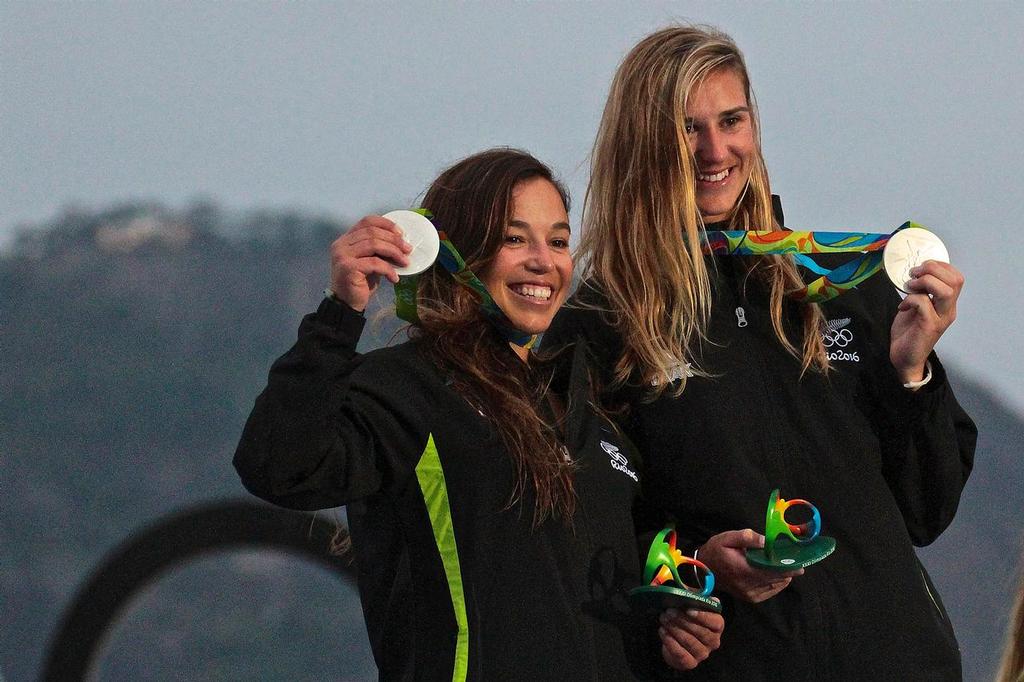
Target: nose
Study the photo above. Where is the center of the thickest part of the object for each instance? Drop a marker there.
(539, 259)
(711, 146)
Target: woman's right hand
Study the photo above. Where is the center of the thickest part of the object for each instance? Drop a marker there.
(688, 637)
(359, 258)
(725, 555)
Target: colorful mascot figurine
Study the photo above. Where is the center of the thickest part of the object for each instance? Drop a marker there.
(790, 546)
(665, 587)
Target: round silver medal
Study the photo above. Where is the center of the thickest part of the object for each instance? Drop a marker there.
(907, 249)
(421, 233)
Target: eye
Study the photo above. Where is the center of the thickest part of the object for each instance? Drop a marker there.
(732, 121)
(559, 243)
(514, 239)
(690, 128)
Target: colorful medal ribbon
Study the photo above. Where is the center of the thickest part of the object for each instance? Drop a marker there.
(830, 283)
(451, 260)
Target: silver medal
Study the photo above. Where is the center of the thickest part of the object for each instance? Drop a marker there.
(421, 233)
(907, 249)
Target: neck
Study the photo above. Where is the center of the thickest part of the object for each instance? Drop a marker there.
(716, 226)
(522, 352)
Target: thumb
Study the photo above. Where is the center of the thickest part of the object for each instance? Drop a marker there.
(743, 538)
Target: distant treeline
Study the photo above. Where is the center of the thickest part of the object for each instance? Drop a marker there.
(134, 341)
(133, 225)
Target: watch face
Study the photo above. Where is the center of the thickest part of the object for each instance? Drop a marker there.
(421, 233)
(907, 249)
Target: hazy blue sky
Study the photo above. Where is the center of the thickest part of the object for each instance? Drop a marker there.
(873, 113)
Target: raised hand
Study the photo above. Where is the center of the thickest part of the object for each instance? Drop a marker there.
(359, 258)
(923, 316)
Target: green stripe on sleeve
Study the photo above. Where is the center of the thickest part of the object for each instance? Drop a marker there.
(435, 494)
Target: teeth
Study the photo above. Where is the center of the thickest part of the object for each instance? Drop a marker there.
(541, 293)
(721, 175)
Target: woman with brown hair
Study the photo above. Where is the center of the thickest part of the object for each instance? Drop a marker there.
(491, 531)
(730, 386)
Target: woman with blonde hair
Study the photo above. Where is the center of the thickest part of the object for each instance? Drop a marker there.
(1011, 669)
(731, 386)
(491, 531)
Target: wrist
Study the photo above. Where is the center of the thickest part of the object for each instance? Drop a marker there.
(912, 384)
(333, 297)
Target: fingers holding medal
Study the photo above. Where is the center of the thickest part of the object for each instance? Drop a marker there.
(941, 284)
(918, 264)
(374, 247)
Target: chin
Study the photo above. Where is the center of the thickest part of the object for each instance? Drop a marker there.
(531, 326)
(717, 209)
(714, 214)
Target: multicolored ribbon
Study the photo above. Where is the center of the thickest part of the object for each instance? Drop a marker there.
(830, 283)
(451, 260)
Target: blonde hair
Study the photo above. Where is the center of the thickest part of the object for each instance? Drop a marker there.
(1011, 668)
(642, 231)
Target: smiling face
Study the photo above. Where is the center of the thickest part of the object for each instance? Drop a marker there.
(720, 127)
(530, 275)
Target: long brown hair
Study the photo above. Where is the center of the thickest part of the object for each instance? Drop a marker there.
(472, 202)
(641, 240)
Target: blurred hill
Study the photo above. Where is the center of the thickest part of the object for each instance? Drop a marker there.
(134, 341)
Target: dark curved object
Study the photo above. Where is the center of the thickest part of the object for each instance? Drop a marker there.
(165, 544)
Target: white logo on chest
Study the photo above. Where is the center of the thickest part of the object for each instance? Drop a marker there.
(836, 337)
(618, 460)
(675, 373)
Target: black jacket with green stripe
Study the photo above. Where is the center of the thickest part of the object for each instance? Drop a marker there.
(455, 581)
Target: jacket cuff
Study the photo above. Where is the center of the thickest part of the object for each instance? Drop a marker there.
(928, 397)
(341, 318)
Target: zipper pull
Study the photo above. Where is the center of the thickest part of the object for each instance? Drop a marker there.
(741, 317)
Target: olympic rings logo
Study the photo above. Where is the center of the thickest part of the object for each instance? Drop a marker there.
(840, 338)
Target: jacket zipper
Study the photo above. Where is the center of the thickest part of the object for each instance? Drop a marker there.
(741, 317)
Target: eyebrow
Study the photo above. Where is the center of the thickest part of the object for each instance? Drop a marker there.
(734, 110)
(525, 225)
(726, 113)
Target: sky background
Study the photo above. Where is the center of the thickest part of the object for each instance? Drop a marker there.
(872, 114)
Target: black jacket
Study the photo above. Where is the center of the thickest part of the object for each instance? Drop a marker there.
(885, 466)
(455, 582)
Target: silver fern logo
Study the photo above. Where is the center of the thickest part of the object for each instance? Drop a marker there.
(836, 337)
(836, 334)
(618, 460)
(676, 371)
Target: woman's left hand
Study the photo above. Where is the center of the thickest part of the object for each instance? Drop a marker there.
(923, 316)
(688, 637)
